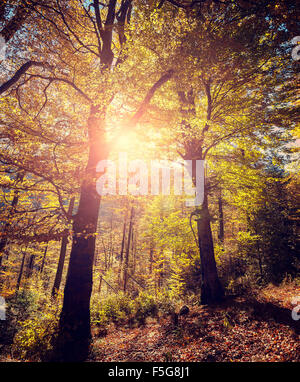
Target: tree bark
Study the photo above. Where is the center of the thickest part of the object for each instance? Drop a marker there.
(30, 266)
(122, 249)
(211, 288)
(21, 272)
(74, 334)
(221, 220)
(44, 259)
(126, 263)
(151, 251)
(100, 284)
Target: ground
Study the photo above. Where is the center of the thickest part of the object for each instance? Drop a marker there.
(255, 328)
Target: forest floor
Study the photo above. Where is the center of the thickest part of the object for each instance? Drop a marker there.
(258, 328)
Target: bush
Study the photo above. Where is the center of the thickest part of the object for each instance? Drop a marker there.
(35, 338)
(165, 303)
(121, 309)
(145, 306)
(32, 322)
(18, 307)
(241, 285)
(116, 309)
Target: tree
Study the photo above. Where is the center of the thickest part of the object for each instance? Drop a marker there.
(270, 220)
(231, 63)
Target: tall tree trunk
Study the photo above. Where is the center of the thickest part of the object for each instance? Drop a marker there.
(211, 288)
(30, 265)
(151, 251)
(221, 220)
(126, 262)
(44, 259)
(100, 284)
(21, 271)
(73, 339)
(133, 251)
(122, 249)
(62, 254)
(74, 334)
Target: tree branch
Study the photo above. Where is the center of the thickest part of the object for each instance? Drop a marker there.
(144, 105)
(23, 69)
(66, 81)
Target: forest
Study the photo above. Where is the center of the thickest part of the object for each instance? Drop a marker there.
(149, 203)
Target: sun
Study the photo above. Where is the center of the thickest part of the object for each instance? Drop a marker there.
(137, 146)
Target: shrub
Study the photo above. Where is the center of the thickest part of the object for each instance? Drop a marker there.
(121, 309)
(145, 306)
(35, 338)
(166, 305)
(36, 323)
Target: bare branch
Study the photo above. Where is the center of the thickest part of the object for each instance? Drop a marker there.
(144, 105)
(23, 69)
(66, 81)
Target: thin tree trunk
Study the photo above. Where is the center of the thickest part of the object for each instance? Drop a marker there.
(122, 248)
(259, 257)
(44, 259)
(125, 278)
(21, 272)
(111, 248)
(30, 265)
(62, 254)
(133, 251)
(161, 271)
(221, 220)
(151, 251)
(100, 284)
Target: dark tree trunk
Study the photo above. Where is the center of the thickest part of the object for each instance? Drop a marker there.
(122, 249)
(62, 255)
(133, 239)
(74, 334)
(100, 284)
(211, 288)
(3, 243)
(30, 265)
(221, 220)
(151, 251)
(126, 262)
(44, 259)
(21, 272)
(259, 257)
